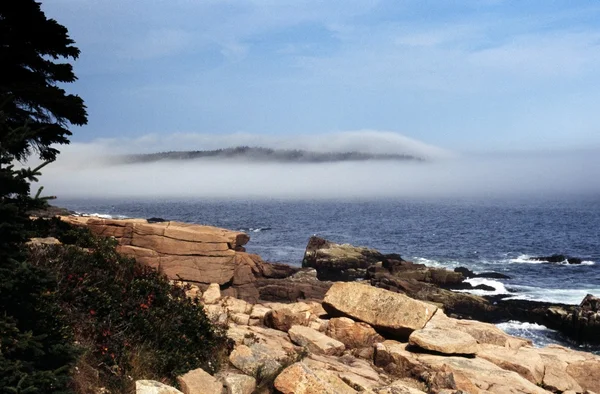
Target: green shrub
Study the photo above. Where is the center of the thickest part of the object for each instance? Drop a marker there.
(63, 231)
(134, 323)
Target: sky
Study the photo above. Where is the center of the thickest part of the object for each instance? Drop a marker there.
(499, 97)
(456, 76)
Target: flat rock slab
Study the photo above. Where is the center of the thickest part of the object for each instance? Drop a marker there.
(525, 361)
(444, 341)
(384, 310)
(475, 375)
(315, 341)
(484, 333)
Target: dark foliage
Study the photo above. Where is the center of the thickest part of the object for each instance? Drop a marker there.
(36, 350)
(134, 321)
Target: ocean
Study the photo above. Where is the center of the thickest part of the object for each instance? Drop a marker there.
(480, 234)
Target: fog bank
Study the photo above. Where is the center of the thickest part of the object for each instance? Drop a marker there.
(87, 170)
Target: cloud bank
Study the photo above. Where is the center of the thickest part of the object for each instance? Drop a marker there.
(89, 170)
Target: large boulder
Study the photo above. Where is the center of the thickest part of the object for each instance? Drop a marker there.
(254, 360)
(239, 384)
(358, 374)
(198, 381)
(397, 387)
(384, 310)
(154, 387)
(275, 343)
(257, 315)
(298, 378)
(315, 341)
(212, 294)
(395, 358)
(286, 316)
(352, 334)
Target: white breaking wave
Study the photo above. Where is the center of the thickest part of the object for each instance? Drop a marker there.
(524, 259)
(254, 230)
(435, 263)
(102, 215)
(538, 334)
(514, 324)
(562, 296)
(499, 287)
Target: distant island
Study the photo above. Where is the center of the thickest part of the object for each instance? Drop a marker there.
(260, 154)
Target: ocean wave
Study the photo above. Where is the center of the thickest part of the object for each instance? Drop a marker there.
(539, 335)
(525, 259)
(519, 325)
(101, 215)
(451, 264)
(254, 230)
(427, 262)
(499, 287)
(562, 296)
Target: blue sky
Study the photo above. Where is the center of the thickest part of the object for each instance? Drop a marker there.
(461, 75)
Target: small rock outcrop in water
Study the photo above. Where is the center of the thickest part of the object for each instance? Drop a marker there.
(583, 322)
(557, 258)
(345, 262)
(339, 261)
(156, 220)
(467, 273)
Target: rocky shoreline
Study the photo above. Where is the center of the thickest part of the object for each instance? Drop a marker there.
(354, 319)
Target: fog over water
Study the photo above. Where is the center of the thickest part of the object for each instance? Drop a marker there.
(91, 170)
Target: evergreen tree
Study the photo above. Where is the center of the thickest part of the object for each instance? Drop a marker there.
(36, 349)
(30, 45)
